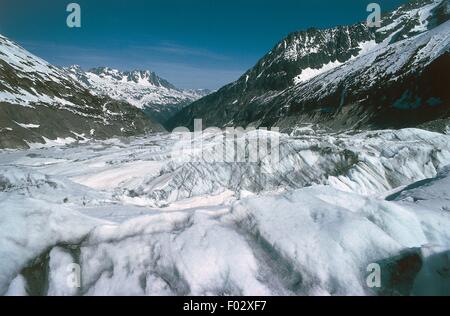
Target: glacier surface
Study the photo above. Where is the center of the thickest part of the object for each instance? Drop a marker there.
(138, 220)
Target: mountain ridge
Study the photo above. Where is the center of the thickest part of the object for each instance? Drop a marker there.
(40, 102)
(302, 56)
(144, 89)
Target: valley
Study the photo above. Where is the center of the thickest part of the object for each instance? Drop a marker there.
(324, 170)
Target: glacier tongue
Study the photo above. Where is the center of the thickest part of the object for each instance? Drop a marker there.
(366, 163)
(140, 221)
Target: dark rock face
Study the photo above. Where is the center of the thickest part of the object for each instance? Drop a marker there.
(62, 123)
(39, 100)
(332, 77)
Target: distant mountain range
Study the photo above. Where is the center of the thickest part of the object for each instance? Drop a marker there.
(40, 102)
(345, 77)
(144, 89)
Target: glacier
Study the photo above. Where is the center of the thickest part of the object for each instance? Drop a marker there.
(138, 220)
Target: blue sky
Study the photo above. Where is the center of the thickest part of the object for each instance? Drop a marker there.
(191, 43)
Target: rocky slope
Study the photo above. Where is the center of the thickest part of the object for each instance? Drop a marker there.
(345, 77)
(40, 102)
(141, 88)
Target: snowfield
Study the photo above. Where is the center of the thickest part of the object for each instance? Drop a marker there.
(138, 220)
(140, 90)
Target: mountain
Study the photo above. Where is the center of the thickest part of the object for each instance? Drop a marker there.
(344, 77)
(40, 102)
(141, 88)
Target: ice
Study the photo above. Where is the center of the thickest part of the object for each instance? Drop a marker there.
(138, 220)
(331, 236)
(61, 273)
(28, 227)
(359, 163)
(426, 190)
(140, 216)
(204, 257)
(17, 287)
(53, 189)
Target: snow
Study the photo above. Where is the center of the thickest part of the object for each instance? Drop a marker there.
(114, 177)
(17, 287)
(24, 61)
(366, 47)
(140, 93)
(27, 125)
(32, 73)
(21, 97)
(309, 73)
(375, 62)
(24, 98)
(430, 193)
(59, 141)
(29, 226)
(139, 216)
(139, 221)
(330, 236)
(419, 15)
(301, 46)
(60, 261)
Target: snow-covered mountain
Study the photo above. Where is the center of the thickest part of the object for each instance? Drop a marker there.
(344, 77)
(143, 89)
(40, 102)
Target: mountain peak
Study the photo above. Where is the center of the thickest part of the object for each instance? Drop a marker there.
(137, 76)
(143, 89)
(312, 75)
